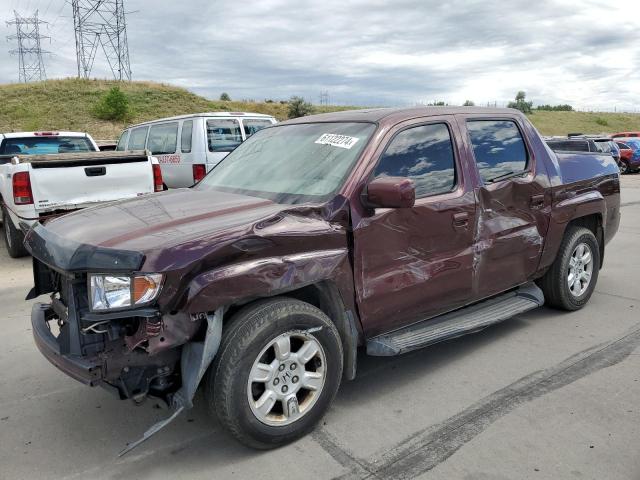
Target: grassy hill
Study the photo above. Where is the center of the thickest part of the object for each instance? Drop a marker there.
(67, 105)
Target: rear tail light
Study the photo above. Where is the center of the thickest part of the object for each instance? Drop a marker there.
(157, 178)
(199, 171)
(22, 189)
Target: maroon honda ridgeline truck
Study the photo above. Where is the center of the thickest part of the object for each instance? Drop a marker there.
(384, 229)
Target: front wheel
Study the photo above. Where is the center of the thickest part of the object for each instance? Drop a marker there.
(277, 371)
(570, 281)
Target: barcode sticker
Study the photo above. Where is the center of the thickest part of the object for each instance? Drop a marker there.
(335, 140)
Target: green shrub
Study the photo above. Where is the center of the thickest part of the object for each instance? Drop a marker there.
(602, 122)
(520, 103)
(298, 107)
(113, 105)
(225, 97)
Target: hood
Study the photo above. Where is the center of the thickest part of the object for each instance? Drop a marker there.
(160, 220)
(176, 230)
(148, 224)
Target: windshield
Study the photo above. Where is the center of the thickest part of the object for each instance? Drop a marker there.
(291, 163)
(44, 145)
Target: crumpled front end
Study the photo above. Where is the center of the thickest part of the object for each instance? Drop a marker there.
(132, 352)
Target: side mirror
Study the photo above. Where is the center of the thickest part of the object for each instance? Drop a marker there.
(390, 192)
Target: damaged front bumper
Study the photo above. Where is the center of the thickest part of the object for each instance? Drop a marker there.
(85, 370)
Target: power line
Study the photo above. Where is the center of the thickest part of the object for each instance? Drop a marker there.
(101, 23)
(29, 51)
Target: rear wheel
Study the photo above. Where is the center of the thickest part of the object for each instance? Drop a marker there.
(570, 281)
(277, 371)
(13, 237)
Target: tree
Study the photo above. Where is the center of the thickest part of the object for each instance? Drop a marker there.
(225, 97)
(298, 107)
(113, 105)
(468, 103)
(520, 103)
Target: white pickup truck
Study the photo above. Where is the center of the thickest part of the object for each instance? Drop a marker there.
(46, 174)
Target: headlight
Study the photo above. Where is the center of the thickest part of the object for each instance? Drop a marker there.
(108, 292)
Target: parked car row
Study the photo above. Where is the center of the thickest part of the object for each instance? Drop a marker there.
(46, 174)
(623, 147)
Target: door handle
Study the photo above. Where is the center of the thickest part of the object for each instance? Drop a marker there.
(461, 219)
(537, 201)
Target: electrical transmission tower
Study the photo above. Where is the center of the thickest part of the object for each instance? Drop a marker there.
(29, 52)
(324, 97)
(101, 23)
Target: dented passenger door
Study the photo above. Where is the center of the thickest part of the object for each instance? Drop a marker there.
(414, 263)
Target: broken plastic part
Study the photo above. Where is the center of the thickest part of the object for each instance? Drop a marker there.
(196, 358)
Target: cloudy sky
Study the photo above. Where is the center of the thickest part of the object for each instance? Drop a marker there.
(398, 52)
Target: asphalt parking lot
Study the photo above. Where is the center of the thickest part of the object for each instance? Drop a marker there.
(545, 395)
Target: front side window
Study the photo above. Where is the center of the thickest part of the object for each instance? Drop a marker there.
(163, 138)
(251, 126)
(498, 148)
(423, 154)
(223, 135)
(291, 164)
(122, 142)
(185, 136)
(137, 138)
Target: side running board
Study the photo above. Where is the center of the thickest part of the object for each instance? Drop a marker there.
(457, 323)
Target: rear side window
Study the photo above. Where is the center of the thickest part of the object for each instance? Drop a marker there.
(163, 138)
(185, 136)
(252, 126)
(223, 135)
(423, 154)
(498, 148)
(122, 142)
(137, 138)
(623, 146)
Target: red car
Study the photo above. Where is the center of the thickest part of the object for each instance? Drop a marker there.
(625, 134)
(629, 155)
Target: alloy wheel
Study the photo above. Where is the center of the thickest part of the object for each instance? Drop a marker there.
(580, 269)
(286, 378)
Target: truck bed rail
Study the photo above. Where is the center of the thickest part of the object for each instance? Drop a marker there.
(77, 158)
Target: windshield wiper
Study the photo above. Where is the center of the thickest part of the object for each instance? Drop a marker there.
(504, 176)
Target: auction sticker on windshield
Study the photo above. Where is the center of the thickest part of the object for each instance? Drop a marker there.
(333, 139)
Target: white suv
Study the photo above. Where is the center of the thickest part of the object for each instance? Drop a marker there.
(188, 146)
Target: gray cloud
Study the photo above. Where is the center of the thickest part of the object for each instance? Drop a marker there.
(373, 52)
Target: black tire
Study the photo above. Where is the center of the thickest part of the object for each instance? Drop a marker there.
(624, 167)
(249, 332)
(554, 283)
(13, 237)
